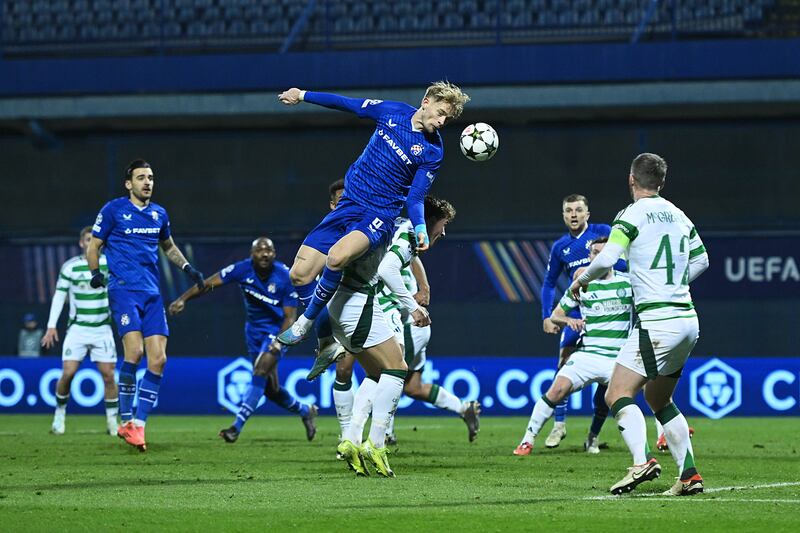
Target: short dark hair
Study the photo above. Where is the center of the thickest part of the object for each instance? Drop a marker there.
(575, 198)
(136, 163)
(599, 240)
(84, 231)
(335, 186)
(439, 209)
(649, 171)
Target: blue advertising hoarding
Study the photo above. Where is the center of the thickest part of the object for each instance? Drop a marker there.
(709, 387)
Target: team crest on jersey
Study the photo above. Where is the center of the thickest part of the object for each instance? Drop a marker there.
(271, 288)
(124, 320)
(155, 215)
(416, 149)
(620, 293)
(588, 244)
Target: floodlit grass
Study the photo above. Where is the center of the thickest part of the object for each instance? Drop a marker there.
(273, 478)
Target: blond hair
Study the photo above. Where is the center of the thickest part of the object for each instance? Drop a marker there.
(445, 91)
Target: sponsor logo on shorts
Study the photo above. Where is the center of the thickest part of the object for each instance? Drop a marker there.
(124, 320)
(715, 389)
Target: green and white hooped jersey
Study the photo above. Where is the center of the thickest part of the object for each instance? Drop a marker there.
(607, 309)
(87, 306)
(662, 240)
(404, 246)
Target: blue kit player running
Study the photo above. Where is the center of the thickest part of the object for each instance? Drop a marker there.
(271, 305)
(396, 169)
(569, 253)
(131, 229)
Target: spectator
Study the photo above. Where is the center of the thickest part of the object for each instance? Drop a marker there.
(30, 337)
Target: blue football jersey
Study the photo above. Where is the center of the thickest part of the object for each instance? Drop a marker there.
(567, 255)
(398, 164)
(264, 299)
(132, 235)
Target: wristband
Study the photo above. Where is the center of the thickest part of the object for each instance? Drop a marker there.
(422, 228)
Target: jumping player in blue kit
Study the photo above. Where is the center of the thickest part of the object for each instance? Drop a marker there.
(396, 169)
(568, 254)
(131, 229)
(271, 305)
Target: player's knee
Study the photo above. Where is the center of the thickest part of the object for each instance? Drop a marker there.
(156, 362)
(108, 377)
(414, 391)
(337, 260)
(68, 374)
(300, 276)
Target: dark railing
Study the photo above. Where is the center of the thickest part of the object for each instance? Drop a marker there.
(101, 27)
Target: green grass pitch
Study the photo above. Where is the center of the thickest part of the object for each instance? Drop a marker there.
(273, 478)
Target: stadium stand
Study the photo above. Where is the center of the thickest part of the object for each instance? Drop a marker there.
(92, 27)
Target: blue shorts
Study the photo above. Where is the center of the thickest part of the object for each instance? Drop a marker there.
(138, 311)
(570, 337)
(258, 341)
(350, 216)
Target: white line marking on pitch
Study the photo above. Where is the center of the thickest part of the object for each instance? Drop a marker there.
(712, 490)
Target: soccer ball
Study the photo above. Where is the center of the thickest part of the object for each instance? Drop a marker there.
(479, 142)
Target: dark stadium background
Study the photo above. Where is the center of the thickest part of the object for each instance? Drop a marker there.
(574, 89)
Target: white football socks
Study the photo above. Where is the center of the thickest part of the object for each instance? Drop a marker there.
(541, 413)
(362, 405)
(448, 400)
(387, 395)
(633, 427)
(343, 400)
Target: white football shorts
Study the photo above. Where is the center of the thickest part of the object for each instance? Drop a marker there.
(97, 342)
(659, 348)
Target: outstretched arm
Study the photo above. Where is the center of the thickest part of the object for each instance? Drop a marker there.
(194, 291)
(363, 107)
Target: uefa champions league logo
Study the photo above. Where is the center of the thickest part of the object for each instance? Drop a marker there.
(233, 380)
(715, 389)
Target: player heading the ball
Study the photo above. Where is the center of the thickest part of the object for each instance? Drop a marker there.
(396, 168)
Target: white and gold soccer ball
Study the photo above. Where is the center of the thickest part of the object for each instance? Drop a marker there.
(479, 142)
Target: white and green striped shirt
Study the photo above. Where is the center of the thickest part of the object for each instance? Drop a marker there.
(87, 306)
(606, 308)
(402, 246)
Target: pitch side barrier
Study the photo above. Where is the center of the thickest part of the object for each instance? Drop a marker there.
(711, 387)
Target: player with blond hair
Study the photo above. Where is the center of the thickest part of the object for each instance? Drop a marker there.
(396, 169)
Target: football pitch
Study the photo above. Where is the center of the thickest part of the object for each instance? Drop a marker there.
(273, 478)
